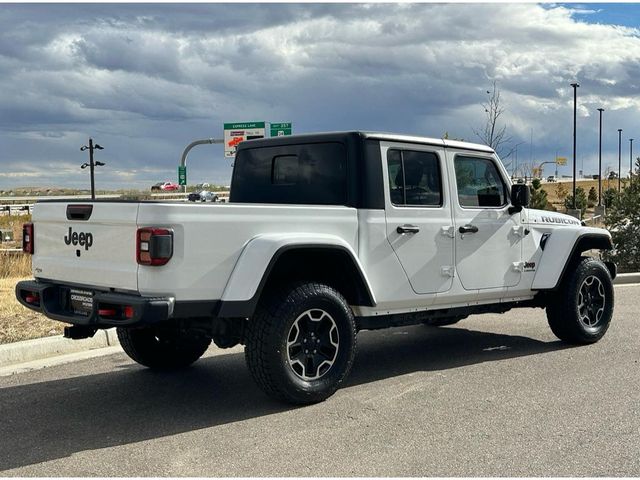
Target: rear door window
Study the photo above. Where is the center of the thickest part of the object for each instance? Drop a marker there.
(414, 178)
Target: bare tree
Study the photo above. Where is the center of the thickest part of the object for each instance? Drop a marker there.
(492, 133)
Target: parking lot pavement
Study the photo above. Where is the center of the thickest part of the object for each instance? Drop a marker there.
(493, 395)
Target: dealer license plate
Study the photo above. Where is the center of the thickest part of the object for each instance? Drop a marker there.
(81, 301)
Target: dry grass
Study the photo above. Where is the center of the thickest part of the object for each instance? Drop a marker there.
(551, 188)
(15, 265)
(20, 323)
(13, 223)
(17, 322)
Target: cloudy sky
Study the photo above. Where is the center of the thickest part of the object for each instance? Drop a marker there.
(145, 80)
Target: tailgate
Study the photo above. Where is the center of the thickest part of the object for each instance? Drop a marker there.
(98, 251)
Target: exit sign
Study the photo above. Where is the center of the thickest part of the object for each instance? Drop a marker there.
(182, 175)
(280, 129)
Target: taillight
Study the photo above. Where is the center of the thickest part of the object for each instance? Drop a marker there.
(154, 246)
(27, 238)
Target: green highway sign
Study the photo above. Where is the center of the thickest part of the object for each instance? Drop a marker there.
(182, 175)
(243, 126)
(280, 129)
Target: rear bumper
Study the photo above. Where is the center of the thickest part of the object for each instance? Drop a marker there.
(123, 309)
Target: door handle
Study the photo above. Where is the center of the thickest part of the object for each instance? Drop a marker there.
(402, 229)
(468, 229)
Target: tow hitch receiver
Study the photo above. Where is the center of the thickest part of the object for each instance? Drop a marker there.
(78, 332)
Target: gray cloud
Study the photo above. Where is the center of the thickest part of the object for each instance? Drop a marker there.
(146, 79)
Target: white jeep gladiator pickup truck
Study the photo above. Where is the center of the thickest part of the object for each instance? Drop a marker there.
(325, 235)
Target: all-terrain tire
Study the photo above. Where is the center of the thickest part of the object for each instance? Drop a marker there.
(580, 312)
(281, 350)
(162, 348)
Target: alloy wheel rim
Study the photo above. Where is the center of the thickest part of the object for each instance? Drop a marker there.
(312, 344)
(591, 302)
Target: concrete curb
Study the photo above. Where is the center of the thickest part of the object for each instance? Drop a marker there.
(14, 355)
(625, 278)
(39, 348)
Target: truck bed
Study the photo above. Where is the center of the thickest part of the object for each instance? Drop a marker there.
(208, 239)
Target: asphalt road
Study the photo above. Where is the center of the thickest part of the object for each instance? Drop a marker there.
(494, 395)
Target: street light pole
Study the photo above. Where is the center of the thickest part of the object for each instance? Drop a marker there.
(91, 164)
(600, 161)
(619, 157)
(91, 170)
(630, 162)
(575, 102)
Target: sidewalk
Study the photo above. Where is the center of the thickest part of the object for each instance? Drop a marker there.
(43, 352)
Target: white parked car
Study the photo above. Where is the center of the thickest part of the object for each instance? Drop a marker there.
(324, 235)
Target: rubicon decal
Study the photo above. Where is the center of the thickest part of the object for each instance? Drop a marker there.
(560, 220)
(83, 239)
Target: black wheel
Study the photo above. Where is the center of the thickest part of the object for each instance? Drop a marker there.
(301, 343)
(162, 348)
(581, 311)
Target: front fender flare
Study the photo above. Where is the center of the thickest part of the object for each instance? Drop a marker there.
(562, 246)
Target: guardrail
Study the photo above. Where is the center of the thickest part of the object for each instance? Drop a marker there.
(9, 205)
(11, 209)
(35, 198)
(595, 220)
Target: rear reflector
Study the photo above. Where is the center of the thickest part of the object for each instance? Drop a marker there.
(107, 312)
(27, 238)
(33, 299)
(128, 311)
(154, 246)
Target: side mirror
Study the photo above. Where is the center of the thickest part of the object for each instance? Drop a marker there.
(520, 195)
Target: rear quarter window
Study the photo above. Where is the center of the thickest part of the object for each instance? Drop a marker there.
(310, 174)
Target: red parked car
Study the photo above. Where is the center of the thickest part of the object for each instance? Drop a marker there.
(165, 187)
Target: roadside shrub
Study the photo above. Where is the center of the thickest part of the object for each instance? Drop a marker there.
(623, 221)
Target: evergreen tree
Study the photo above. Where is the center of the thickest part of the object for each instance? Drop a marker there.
(581, 201)
(623, 221)
(538, 195)
(592, 198)
(561, 191)
(609, 196)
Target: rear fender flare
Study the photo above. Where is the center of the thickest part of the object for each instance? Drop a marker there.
(252, 269)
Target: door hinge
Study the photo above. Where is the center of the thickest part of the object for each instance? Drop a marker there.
(521, 231)
(449, 231)
(518, 266)
(447, 271)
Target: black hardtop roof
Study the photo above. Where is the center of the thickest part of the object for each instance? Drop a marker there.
(356, 135)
